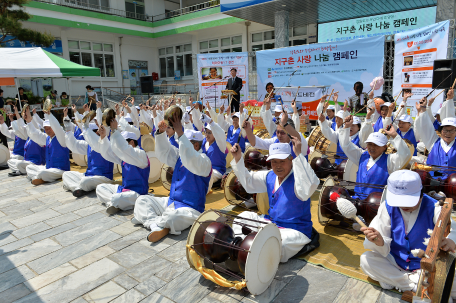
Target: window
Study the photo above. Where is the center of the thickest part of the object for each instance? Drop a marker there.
(135, 9)
(94, 54)
(265, 40)
(223, 45)
(91, 4)
(174, 58)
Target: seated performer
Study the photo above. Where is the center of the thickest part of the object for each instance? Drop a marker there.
(442, 151)
(99, 170)
(381, 119)
(57, 153)
(331, 110)
(404, 129)
(33, 153)
(19, 138)
(374, 166)
(231, 125)
(189, 185)
(289, 185)
(394, 233)
(122, 148)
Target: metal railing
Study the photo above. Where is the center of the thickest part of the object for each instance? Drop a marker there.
(86, 5)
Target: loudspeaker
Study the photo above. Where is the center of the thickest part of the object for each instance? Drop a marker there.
(147, 85)
(442, 70)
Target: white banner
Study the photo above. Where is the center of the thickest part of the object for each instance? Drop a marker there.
(213, 72)
(415, 52)
(309, 97)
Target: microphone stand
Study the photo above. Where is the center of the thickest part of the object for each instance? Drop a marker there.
(215, 83)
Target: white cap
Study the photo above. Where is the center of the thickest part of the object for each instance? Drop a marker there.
(93, 126)
(137, 107)
(331, 107)
(421, 147)
(377, 138)
(278, 108)
(449, 122)
(279, 151)
(289, 110)
(298, 105)
(188, 108)
(404, 189)
(236, 115)
(406, 118)
(208, 126)
(193, 135)
(340, 114)
(46, 123)
(129, 135)
(385, 104)
(128, 118)
(356, 120)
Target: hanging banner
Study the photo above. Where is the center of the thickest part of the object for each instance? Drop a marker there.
(414, 55)
(335, 65)
(213, 74)
(309, 97)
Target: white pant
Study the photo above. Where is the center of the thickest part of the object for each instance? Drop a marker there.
(381, 269)
(16, 157)
(292, 240)
(73, 180)
(107, 193)
(18, 165)
(40, 172)
(216, 175)
(150, 209)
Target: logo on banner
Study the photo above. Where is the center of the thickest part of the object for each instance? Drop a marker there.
(410, 44)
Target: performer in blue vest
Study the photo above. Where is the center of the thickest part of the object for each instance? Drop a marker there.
(19, 140)
(57, 153)
(214, 146)
(404, 129)
(286, 127)
(122, 148)
(374, 166)
(330, 111)
(400, 228)
(289, 185)
(382, 119)
(99, 170)
(189, 185)
(33, 153)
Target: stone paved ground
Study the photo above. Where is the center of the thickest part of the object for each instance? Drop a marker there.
(56, 248)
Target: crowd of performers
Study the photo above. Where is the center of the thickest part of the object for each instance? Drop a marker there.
(196, 148)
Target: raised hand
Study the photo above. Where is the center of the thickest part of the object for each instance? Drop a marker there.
(85, 107)
(65, 112)
(99, 104)
(297, 144)
(34, 110)
(370, 112)
(390, 131)
(236, 152)
(162, 126)
(431, 101)
(348, 121)
(222, 109)
(373, 235)
(323, 98)
(450, 94)
(322, 117)
(407, 95)
(102, 131)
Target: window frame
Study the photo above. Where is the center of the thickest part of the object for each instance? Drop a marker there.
(174, 55)
(103, 71)
(220, 48)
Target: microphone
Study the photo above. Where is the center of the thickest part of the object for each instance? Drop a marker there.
(226, 77)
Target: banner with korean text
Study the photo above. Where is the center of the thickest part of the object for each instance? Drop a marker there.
(337, 65)
(214, 71)
(414, 55)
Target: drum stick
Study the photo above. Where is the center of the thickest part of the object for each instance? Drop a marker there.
(330, 94)
(438, 86)
(452, 86)
(269, 95)
(441, 92)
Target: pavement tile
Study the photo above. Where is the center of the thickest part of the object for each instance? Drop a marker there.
(226, 295)
(85, 220)
(10, 218)
(66, 218)
(104, 293)
(52, 232)
(92, 256)
(79, 300)
(35, 218)
(131, 296)
(358, 292)
(14, 277)
(14, 293)
(387, 296)
(132, 255)
(15, 245)
(7, 227)
(156, 298)
(126, 281)
(89, 210)
(21, 206)
(30, 230)
(6, 238)
(156, 246)
(150, 285)
(287, 271)
(30, 197)
(125, 228)
(78, 204)
(50, 276)
(76, 284)
(44, 207)
(148, 268)
(130, 239)
(174, 252)
(173, 270)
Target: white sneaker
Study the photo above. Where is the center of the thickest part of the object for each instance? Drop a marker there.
(385, 285)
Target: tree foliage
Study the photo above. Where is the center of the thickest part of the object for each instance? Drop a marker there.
(11, 17)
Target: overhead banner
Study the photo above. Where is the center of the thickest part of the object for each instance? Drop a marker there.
(214, 71)
(414, 55)
(308, 96)
(378, 25)
(334, 65)
(227, 5)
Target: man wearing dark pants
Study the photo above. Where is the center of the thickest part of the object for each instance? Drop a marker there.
(235, 84)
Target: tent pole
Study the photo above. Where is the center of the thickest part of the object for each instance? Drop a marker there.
(18, 94)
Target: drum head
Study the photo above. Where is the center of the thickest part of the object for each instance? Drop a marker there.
(314, 135)
(163, 175)
(229, 195)
(79, 160)
(262, 201)
(208, 215)
(263, 259)
(350, 172)
(229, 156)
(4, 154)
(147, 143)
(155, 166)
(314, 154)
(329, 182)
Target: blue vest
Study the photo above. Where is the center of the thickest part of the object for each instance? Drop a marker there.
(437, 156)
(18, 146)
(377, 174)
(285, 209)
(410, 135)
(233, 137)
(333, 126)
(78, 133)
(188, 189)
(402, 244)
(340, 151)
(34, 153)
(436, 124)
(57, 156)
(277, 98)
(99, 166)
(379, 124)
(173, 141)
(218, 159)
(135, 178)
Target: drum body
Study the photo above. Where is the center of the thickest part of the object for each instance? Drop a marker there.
(166, 176)
(324, 146)
(255, 160)
(350, 171)
(235, 193)
(80, 160)
(315, 135)
(253, 257)
(155, 167)
(147, 142)
(4, 154)
(229, 156)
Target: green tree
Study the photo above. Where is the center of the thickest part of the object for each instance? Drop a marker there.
(11, 18)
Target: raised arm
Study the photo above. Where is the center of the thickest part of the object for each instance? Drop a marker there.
(4, 129)
(253, 182)
(129, 128)
(58, 130)
(425, 128)
(352, 151)
(35, 135)
(105, 146)
(397, 160)
(128, 153)
(219, 135)
(306, 181)
(196, 162)
(76, 146)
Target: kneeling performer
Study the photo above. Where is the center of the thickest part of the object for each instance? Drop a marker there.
(289, 185)
(400, 227)
(189, 185)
